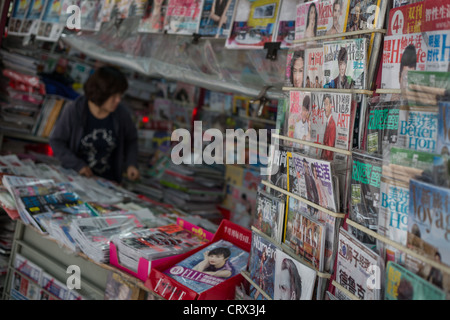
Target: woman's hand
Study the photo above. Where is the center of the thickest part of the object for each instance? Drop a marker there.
(86, 171)
(132, 173)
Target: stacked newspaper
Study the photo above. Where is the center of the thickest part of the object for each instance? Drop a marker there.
(92, 235)
(153, 243)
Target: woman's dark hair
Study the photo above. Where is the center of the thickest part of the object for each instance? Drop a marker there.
(103, 83)
(307, 17)
(220, 251)
(306, 102)
(409, 58)
(296, 280)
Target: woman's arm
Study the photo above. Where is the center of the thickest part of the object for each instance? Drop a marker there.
(60, 139)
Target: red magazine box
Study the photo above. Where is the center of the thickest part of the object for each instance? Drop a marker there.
(144, 265)
(170, 289)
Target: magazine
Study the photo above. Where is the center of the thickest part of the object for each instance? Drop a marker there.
(118, 288)
(402, 284)
(33, 17)
(443, 136)
(294, 208)
(313, 75)
(406, 19)
(153, 243)
(217, 18)
(438, 45)
(331, 123)
(298, 119)
(435, 15)
(295, 67)
(28, 268)
(417, 128)
(90, 14)
(306, 19)
(363, 15)
(277, 167)
(365, 195)
(285, 32)
(345, 64)
(210, 266)
(130, 8)
(262, 266)
(332, 17)
(427, 88)
(357, 268)
(429, 204)
(253, 24)
(22, 288)
(183, 17)
(109, 10)
(393, 217)
(269, 215)
(50, 28)
(17, 24)
(312, 179)
(53, 286)
(402, 53)
(92, 235)
(382, 126)
(293, 280)
(43, 199)
(305, 235)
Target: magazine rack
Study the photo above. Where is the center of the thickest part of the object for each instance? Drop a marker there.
(170, 289)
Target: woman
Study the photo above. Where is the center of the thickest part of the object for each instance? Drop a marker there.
(95, 134)
(311, 22)
(297, 68)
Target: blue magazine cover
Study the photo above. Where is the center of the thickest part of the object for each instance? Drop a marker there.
(429, 216)
(210, 266)
(262, 266)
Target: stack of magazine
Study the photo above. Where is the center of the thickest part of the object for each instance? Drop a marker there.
(153, 243)
(93, 235)
(197, 189)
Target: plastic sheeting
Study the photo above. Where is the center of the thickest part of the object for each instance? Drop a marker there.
(207, 63)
